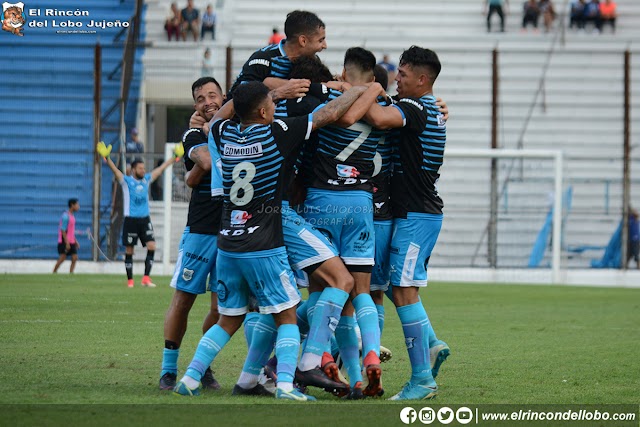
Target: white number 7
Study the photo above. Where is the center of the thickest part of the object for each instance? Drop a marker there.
(364, 130)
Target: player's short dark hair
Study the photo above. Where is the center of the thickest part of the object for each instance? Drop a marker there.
(312, 68)
(135, 162)
(247, 97)
(301, 22)
(72, 202)
(423, 58)
(382, 76)
(363, 59)
(201, 82)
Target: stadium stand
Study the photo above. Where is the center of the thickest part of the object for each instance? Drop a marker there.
(47, 146)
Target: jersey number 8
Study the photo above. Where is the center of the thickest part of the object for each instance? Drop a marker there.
(243, 184)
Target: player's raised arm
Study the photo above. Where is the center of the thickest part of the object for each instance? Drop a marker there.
(361, 106)
(225, 113)
(177, 153)
(105, 151)
(384, 117)
(336, 108)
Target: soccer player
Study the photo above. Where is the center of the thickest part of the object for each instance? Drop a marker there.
(417, 207)
(271, 65)
(67, 242)
(198, 246)
(137, 224)
(339, 203)
(250, 243)
(307, 248)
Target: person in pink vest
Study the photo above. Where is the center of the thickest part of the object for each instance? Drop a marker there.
(67, 242)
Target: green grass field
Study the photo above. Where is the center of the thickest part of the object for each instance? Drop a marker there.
(89, 339)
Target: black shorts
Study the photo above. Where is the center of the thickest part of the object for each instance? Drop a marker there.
(62, 249)
(134, 228)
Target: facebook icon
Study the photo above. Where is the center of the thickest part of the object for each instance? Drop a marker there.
(408, 415)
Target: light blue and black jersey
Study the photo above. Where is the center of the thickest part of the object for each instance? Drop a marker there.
(344, 158)
(382, 180)
(270, 61)
(252, 160)
(204, 210)
(288, 108)
(136, 196)
(417, 157)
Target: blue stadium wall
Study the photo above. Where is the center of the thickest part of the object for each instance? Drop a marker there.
(46, 121)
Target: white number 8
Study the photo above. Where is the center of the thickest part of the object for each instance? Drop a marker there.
(242, 183)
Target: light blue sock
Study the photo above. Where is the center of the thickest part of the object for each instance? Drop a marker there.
(380, 309)
(432, 332)
(367, 316)
(415, 325)
(170, 361)
(264, 337)
(287, 347)
(348, 344)
(301, 314)
(335, 350)
(249, 324)
(325, 318)
(208, 348)
(311, 307)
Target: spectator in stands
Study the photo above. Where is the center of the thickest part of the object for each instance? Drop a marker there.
(495, 6)
(592, 14)
(133, 147)
(548, 14)
(633, 243)
(190, 21)
(530, 14)
(276, 37)
(173, 22)
(389, 66)
(608, 14)
(209, 18)
(577, 14)
(207, 64)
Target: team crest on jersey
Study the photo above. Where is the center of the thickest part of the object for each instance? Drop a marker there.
(187, 274)
(346, 171)
(240, 217)
(441, 121)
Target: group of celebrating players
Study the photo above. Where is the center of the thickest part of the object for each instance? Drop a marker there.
(300, 179)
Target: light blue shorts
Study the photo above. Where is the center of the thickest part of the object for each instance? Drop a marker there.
(380, 274)
(306, 246)
(411, 244)
(265, 274)
(196, 262)
(346, 218)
